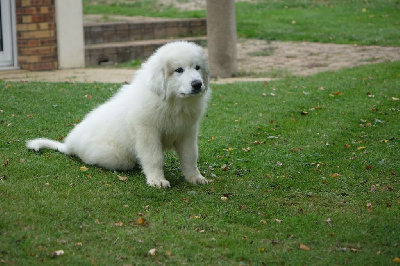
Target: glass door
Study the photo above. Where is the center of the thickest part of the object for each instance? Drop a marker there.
(7, 34)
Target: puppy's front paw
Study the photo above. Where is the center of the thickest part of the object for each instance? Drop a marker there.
(198, 179)
(159, 183)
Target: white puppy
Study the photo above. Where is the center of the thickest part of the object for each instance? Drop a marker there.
(160, 109)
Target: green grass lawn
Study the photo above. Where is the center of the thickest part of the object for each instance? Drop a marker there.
(304, 170)
(342, 21)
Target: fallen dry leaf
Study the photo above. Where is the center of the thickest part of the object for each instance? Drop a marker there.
(56, 253)
(141, 221)
(396, 260)
(88, 96)
(83, 168)
(278, 221)
(119, 224)
(152, 252)
(246, 149)
(122, 178)
(369, 207)
(304, 247)
(335, 175)
(7, 162)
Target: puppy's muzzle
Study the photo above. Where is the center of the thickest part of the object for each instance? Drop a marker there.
(197, 86)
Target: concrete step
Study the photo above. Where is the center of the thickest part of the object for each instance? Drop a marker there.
(144, 29)
(120, 52)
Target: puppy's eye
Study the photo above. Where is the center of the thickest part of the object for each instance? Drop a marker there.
(179, 70)
(198, 67)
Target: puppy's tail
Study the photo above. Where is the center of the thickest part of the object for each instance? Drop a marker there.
(37, 144)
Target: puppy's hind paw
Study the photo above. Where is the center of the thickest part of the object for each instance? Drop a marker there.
(158, 183)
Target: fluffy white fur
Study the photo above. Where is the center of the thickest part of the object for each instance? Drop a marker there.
(160, 109)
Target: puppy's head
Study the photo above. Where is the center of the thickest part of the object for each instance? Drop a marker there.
(178, 69)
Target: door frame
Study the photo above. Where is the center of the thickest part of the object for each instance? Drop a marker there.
(8, 57)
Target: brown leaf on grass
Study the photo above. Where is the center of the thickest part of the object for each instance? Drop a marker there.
(83, 168)
(335, 175)
(56, 253)
(122, 178)
(139, 222)
(152, 252)
(396, 260)
(369, 207)
(88, 96)
(275, 242)
(304, 247)
(119, 224)
(6, 162)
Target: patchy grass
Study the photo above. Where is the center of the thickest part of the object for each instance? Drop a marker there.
(304, 170)
(342, 21)
(150, 8)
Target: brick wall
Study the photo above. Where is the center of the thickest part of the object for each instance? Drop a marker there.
(36, 34)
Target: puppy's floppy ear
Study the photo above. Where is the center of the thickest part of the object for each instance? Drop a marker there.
(158, 79)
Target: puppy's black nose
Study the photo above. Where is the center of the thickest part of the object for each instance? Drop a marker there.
(196, 85)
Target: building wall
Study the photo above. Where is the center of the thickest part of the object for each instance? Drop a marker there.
(36, 34)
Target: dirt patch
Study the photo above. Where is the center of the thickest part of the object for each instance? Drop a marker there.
(265, 58)
(190, 4)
